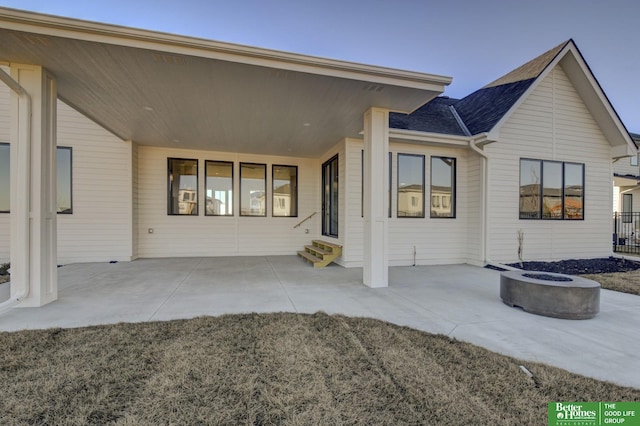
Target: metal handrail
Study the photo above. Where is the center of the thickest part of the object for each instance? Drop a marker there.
(305, 219)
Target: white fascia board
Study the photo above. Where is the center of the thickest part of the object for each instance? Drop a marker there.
(595, 99)
(400, 135)
(618, 137)
(48, 25)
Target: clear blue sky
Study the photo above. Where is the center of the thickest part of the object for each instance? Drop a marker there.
(473, 41)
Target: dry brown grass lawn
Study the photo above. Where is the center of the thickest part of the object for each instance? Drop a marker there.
(626, 282)
(273, 369)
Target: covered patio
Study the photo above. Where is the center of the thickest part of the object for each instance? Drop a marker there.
(460, 301)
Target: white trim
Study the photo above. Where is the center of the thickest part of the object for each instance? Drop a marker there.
(375, 271)
(628, 147)
(401, 135)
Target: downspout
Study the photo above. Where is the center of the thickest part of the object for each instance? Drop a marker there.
(26, 105)
(485, 205)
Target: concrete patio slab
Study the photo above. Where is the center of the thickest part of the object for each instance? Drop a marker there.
(461, 301)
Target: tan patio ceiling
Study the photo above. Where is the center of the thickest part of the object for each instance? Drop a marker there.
(167, 90)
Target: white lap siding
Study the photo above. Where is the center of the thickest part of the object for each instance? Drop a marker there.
(100, 228)
(436, 241)
(221, 235)
(551, 124)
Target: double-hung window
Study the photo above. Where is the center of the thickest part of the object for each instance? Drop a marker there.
(552, 190)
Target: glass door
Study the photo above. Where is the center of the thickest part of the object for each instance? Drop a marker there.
(330, 197)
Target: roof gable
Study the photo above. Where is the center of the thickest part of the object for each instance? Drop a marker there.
(589, 90)
(485, 110)
(480, 111)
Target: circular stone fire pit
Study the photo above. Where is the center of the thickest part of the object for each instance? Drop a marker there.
(550, 294)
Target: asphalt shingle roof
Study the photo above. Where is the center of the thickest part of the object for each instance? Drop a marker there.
(482, 109)
(433, 117)
(479, 111)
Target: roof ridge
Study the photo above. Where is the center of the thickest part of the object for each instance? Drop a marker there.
(463, 126)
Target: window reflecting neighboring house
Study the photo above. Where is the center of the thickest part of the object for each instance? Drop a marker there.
(410, 201)
(443, 187)
(410, 185)
(219, 182)
(551, 190)
(253, 188)
(182, 187)
(285, 191)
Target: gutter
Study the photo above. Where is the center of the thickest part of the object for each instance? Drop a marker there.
(26, 106)
(484, 237)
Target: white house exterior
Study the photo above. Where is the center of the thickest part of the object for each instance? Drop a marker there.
(257, 141)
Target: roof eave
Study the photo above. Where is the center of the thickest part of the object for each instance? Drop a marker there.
(44, 24)
(414, 136)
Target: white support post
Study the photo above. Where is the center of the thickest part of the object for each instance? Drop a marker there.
(34, 276)
(376, 201)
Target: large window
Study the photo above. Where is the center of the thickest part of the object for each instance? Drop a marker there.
(64, 180)
(64, 203)
(182, 197)
(5, 176)
(285, 191)
(551, 190)
(219, 188)
(410, 185)
(253, 189)
(443, 187)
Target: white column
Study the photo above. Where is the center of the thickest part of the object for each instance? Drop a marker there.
(376, 201)
(34, 277)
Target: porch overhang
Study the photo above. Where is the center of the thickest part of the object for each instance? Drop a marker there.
(174, 91)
